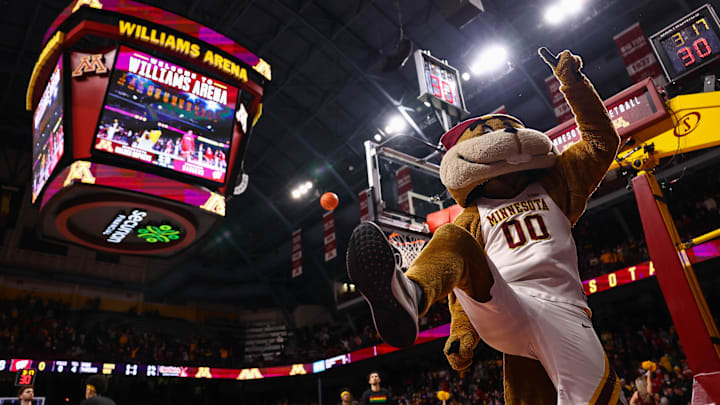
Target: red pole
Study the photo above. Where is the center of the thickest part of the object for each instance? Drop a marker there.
(688, 308)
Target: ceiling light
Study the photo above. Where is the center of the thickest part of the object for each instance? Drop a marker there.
(396, 124)
(490, 59)
(572, 6)
(301, 190)
(466, 76)
(554, 14)
(378, 137)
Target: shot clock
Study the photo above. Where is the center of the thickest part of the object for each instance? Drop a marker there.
(689, 43)
(439, 84)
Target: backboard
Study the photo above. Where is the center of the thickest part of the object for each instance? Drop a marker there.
(404, 179)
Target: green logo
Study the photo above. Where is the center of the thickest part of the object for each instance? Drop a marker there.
(162, 233)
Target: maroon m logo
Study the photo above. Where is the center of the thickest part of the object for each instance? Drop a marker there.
(90, 64)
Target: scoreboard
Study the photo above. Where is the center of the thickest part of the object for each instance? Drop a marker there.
(141, 118)
(689, 43)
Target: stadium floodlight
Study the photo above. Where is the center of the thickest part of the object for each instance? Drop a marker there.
(395, 124)
(301, 190)
(561, 10)
(572, 7)
(490, 59)
(377, 137)
(465, 76)
(554, 14)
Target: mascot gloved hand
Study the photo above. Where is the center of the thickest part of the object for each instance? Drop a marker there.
(508, 262)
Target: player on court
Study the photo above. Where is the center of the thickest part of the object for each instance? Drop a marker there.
(187, 145)
(530, 302)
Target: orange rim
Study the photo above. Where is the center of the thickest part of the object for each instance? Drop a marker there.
(395, 235)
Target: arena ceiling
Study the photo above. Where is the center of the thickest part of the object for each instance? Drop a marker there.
(327, 96)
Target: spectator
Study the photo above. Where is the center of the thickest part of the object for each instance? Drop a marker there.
(346, 398)
(375, 394)
(710, 204)
(95, 386)
(644, 387)
(26, 394)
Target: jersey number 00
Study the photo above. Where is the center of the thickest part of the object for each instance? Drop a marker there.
(516, 235)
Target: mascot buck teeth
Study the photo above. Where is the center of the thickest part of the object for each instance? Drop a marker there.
(508, 262)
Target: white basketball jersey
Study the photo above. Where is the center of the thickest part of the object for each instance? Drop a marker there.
(528, 240)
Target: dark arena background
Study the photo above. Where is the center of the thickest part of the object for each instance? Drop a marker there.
(162, 165)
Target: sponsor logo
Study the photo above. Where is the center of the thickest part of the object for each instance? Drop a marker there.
(686, 124)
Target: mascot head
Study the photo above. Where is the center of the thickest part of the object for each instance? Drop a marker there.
(482, 149)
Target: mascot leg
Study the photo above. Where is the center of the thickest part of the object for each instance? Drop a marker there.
(397, 299)
(526, 382)
(453, 258)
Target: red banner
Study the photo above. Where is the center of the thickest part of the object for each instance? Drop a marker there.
(561, 107)
(404, 186)
(297, 253)
(329, 236)
(364, 207)
(639, 59)
(620, 277)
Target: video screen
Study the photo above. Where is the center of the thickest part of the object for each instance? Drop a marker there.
(169, 116)
(48, 135)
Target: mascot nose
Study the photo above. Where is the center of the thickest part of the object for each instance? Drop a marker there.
(519, 159)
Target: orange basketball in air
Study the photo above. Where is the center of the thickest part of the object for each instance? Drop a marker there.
(329, 201)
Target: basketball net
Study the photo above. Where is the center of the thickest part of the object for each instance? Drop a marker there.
(408, 246)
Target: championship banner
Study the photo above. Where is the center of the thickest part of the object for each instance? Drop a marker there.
(561, 107)
(297, 253)
(364, 207)
(637, 54)
(404, 187)
(329, 236)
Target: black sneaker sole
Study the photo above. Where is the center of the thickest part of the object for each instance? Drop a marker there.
(371, 265)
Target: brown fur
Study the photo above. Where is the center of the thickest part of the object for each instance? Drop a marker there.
(454, 257)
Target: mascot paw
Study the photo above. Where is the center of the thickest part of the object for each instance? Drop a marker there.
(459, 350)
(565, 65)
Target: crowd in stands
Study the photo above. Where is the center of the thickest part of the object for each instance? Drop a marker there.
(49, 329)
(627, 346)
(605, 244)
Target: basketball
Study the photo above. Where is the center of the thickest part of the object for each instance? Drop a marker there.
(329, 201)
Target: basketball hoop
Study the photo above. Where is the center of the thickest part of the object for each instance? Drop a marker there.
(409, 247)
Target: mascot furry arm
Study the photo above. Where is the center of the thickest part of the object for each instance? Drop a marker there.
(575, 175)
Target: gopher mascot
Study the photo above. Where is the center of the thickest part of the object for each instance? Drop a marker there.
(508, 262)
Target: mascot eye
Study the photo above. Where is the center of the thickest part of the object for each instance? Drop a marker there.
(487, 129)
